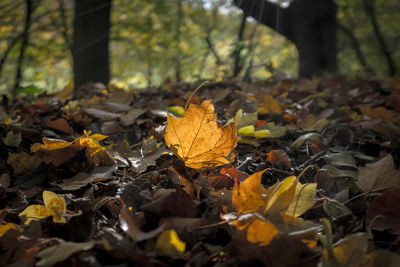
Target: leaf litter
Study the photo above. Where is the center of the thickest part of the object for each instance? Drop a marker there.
(291, 172)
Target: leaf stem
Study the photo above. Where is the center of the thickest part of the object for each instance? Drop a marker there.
(195, 90)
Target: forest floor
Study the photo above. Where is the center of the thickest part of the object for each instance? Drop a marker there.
(303, 173)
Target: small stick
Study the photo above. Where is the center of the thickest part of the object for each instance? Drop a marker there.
(195, 90)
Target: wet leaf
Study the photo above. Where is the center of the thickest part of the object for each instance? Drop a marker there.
(303, 200)
(198, 140)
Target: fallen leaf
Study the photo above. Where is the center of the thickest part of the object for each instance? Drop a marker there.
(313, 123)
(245, 119)
(168, 244)
(303, 200)
(257, 230)
(269, 105)
(275, 156)
(130, 117)
(335, 209)
(198, 140)
(5, 227)
(384, 212)
(53, 206)
(12, 139)
(128, 225)
(226, 178)
(59, 151)
(61, 125)
(379, 176)
(23, 162)
(281, 196)
(60, 252)
(248, 195)
(380, 113)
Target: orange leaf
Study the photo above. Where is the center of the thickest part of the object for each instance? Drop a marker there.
(274, 156)
(197, 139)
(257, 229)
(247, 196)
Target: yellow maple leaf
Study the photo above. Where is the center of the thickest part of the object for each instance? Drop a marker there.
(53, 206)
(247, 196)
(198, 140)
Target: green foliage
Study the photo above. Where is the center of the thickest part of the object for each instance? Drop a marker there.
(155, 41)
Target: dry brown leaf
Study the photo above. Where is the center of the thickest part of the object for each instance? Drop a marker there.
(379, 176)
(197, 139)
(61, 125)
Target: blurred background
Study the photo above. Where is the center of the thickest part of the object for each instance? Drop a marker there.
(152, 42)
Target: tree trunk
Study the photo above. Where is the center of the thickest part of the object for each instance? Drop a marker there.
(237, 62)
(309, 24)
(91, 40)
(24, 44)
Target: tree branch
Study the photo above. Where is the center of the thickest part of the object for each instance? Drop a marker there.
(369, 6)
(269, 14)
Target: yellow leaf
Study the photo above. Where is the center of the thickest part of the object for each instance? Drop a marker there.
(177, 110)
(168, 244)
(247, 196)
(303, 199)
(8, 226)
(257, 230)
(50, 144)
(53, 206)
(281, 197)
(269, 105)
(98, 137)
(197, 139)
